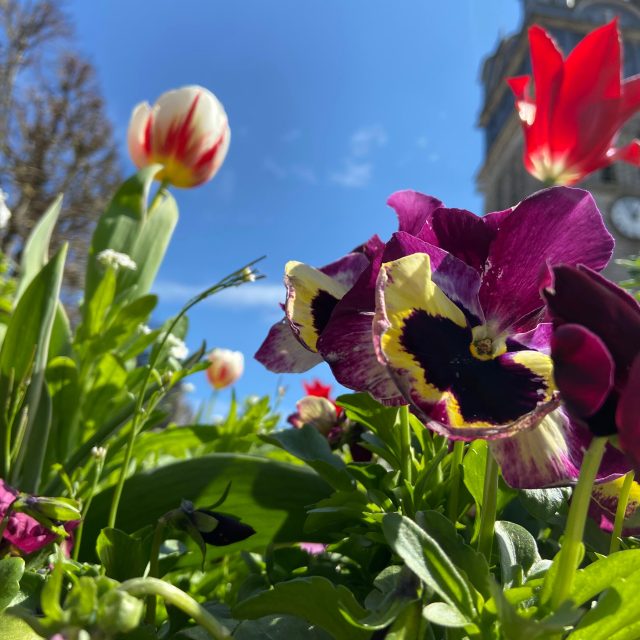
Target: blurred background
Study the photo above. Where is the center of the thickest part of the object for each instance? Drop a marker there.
(333, 106)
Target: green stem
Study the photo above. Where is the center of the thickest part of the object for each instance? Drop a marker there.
(489, 507)
(159, 193)
(569, 555)
(152, 586)
(406, 467)
(97, 472)
(454, 476)
(621, 511)
(236, 278)
(154, 568)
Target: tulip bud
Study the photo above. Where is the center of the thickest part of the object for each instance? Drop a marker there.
(225, 368)
(186, 131)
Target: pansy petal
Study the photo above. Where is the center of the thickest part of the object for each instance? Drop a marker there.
(557, 225)
(413, 209)
(578, 295)
(538, 339)
(282, 352)
(550, 454)
(583, 368)
(346, 343)
(604, 504)
(425, 340)
(311, 298)
(461, 233)
(347, 269)
(628, 415)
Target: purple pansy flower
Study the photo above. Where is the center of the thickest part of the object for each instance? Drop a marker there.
(22, 531)
(596, 354)
(604, 503)
(291, 345)
(460, 326)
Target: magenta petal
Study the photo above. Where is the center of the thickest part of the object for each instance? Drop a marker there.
(583, 368)
(461, 233)
(281, 352)
(628, 415)
(347, 269)
(538, 339)
(580, 296)
(550, 454)
(557, 225)
(413, 209)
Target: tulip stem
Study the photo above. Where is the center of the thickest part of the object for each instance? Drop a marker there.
(454, 479)
(140, 587)
(489, 507)
(569, 555)
(406, 467)
(621, 511)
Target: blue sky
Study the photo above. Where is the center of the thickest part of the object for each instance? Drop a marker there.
(333, 106)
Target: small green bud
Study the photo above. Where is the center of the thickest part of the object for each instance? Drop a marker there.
(119, 612)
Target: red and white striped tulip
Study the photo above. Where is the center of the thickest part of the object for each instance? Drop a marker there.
(225, 368)
(186, 131)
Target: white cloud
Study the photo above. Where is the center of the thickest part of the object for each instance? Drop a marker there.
(274, 168)
(353, 175)
(250, 295)
(366, 139)
(300, 172)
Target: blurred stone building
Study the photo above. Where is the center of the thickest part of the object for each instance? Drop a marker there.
(502, 177)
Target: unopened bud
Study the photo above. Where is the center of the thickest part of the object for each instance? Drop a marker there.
(99, 453)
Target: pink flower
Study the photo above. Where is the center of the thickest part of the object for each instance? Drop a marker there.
(23, 531)
(225, 368)
(186, 131)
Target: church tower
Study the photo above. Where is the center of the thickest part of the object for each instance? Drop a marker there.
(502, 178)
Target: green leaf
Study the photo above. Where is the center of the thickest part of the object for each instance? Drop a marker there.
(150, 246)
(16, 629)
(615, 615)
(468, 561)
(100, 303)
(518, 552)
(81, 602)
(11, 570)
(600, 575)
(119, 226)
(124, 555)
(64, 389)
(474, 464)
(35, 253)
(444, 615)
(314, 599)
(422, 554)
(52, 593)
(30, 325)
(24, 353)
(269, 495)
(311, 447)
(544, 504)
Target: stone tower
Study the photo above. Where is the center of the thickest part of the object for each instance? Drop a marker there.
(502, 177)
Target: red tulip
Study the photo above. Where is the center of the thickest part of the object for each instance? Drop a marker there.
(578, 106)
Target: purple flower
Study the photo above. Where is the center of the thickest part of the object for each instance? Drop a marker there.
(291, 344)
(596, 354)
(459, 325)
(22, 531)
(604, 503)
